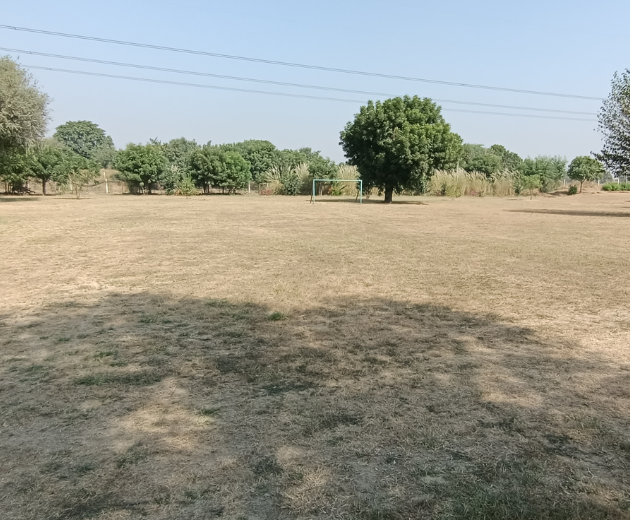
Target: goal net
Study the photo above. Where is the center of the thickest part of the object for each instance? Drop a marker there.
(359, 195)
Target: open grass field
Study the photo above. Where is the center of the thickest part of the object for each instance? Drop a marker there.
(252, 357)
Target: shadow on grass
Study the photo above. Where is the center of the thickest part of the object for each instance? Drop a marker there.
(371, 201)
(18, 198)
(575, 213)
(147, 405)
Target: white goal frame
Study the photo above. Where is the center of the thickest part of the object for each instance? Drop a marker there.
(360, 181)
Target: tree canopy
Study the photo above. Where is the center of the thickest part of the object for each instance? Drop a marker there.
(140, 166)
(23, 107)
(398, 143)
(614, 124)
(214, 166)
(585, 169)
(46, 161)
(86, 139)
(549, 170)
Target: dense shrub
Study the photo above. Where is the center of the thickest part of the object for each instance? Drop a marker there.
(573, 189)
(613, 186)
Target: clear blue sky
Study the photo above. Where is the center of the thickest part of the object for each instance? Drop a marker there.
(563, 46)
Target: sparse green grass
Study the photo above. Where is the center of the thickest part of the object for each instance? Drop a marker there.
(427, 362)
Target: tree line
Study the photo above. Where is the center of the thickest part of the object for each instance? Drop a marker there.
(393, 146)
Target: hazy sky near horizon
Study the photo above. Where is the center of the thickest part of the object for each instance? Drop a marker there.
(571, 47)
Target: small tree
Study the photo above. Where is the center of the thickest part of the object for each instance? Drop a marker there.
(530, 183)
(585, 169)
(45, 161)
(88, 140)
(76, 172)
(140, 166)
(398, 143)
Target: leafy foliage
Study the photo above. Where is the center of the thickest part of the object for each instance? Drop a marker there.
(213, 166)
(261, 155)
(614, 124)
(88, 140)
(23, 108)
(613, 186)
(398, 143)
(530, 183)
(549, 170)
(510, 161)
(476, 158)
(45, 162)
(75, 172)
(140, 166)
(177, 153)
(14, 170)
(573, 189)
(585, 169)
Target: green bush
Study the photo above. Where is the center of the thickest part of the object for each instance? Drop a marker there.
(573, 190)
(613, 186)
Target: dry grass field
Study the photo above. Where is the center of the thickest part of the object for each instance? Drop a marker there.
(247, 357)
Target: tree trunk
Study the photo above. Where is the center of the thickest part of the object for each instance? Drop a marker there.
(581, 183)
(389, 192)
(43, 187)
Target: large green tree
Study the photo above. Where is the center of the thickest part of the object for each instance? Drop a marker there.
(141, 166)
(88, 140)
(398, 143)
(23, 119)
(585, 169)
(614, 124)
(23, 108)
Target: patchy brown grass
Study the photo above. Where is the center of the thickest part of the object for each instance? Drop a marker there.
(260, 357)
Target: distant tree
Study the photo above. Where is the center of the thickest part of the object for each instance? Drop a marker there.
(236, 172)
(398, 143)
(213, 166)
(530, 183)
(14, 170)
(177, 153)
(75, 172)
(88, 140)
(23, 108)
(509, 160)
(585, 169)
(261, 155)
(476, 158)
(550, 171)
(206, 166)
(614, 124)
(45, 161)
(140, 166)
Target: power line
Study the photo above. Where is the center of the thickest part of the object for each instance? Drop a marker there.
(281, 94)
(294, 65)
(281, 83)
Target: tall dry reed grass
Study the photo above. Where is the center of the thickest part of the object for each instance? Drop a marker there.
(460, 183)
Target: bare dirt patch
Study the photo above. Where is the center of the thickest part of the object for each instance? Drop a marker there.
(260, 357)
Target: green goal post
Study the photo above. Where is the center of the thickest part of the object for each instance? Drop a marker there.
(360, 194)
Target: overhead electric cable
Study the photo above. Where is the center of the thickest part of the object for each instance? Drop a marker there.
(293, 64)
(281, 83)
(281, 94)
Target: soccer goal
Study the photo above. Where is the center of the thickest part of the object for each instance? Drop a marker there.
(359, 195)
